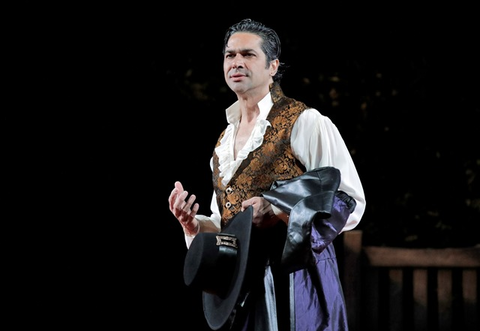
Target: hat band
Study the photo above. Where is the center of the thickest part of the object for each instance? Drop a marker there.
(226, 240)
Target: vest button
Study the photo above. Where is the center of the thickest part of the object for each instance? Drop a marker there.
(229, 190)
(228, 205)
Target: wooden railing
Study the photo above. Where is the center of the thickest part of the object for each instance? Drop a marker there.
(393, 289)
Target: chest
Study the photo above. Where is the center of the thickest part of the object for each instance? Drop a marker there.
(241, 137)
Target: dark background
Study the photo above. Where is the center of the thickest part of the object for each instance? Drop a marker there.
(114, 102)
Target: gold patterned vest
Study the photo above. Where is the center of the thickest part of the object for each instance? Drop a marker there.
(272, 161)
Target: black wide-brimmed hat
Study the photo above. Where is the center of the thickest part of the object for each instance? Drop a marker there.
(216, 263)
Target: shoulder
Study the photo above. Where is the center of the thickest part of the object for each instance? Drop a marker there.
(312, 116)
(313, 121)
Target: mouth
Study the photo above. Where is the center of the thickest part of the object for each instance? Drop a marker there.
(237, 76)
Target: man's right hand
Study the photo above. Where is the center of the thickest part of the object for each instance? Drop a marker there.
(184, 209)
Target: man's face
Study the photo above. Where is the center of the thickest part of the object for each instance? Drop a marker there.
(244, 64)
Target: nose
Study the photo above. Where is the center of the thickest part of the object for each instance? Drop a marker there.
(237, 62)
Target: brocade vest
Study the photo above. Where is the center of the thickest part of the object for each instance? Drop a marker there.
(272, 161)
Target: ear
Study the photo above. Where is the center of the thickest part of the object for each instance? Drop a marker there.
(274, 66)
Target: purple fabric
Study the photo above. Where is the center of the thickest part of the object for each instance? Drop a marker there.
(320, 305)
(319, 300)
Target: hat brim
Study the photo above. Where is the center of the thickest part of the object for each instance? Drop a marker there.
(217, 310)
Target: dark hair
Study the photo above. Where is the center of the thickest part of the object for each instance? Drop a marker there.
(271, 44)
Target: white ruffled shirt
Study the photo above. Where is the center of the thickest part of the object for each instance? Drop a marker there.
(316, 142)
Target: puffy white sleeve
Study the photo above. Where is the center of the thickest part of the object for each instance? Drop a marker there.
(316, 142)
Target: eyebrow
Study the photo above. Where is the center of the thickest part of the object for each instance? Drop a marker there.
(242, 50)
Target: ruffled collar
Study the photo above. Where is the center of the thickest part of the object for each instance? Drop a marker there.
(227, 164)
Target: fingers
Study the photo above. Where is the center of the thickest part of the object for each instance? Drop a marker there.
(183, 207)
(186, 206)
(178, 186)
(255, 202)
(172, 199)
(262, 211)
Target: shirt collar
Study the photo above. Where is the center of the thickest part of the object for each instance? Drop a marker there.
(233, 112)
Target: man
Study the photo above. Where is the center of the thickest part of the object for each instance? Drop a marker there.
(270, 139)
